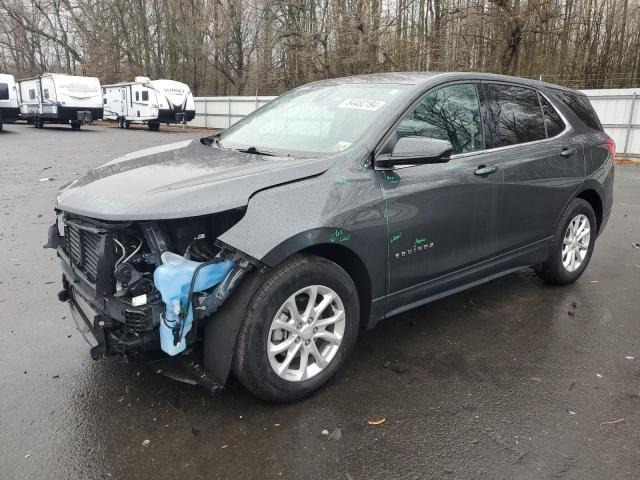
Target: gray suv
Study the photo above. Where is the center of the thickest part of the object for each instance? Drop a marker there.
(265, 249)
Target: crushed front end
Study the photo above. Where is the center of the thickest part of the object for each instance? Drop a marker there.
(108, 279)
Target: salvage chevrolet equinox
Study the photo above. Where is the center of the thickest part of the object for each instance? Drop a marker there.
(265, 249)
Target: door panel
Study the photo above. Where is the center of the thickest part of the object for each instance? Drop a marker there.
(441, 217)
(538, 183)
(540, 174)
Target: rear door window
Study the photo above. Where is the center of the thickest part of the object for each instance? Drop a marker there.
(513, 115)
(4, 91)
(552, 120)
(448, 113)
(145, 96)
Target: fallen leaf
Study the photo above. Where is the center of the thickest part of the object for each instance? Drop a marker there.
(224, 446)
(377, 422)
(594, 281)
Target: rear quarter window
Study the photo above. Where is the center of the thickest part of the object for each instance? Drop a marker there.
(552, 120)
(580, 106)
(4, 91)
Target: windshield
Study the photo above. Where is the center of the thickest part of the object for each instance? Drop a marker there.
(322, 119)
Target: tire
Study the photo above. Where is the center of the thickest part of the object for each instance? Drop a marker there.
(255, 368)
(75, 125)
(154, 126)
(127, 124)
(554, 270)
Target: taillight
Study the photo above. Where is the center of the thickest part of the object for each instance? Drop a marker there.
(611, 146)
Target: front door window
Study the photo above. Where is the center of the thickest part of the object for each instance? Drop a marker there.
(449, 113)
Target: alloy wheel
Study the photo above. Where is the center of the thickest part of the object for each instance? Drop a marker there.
(306, 333)
(575, 244)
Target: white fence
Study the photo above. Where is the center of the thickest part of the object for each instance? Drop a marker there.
(619, 113)
(222, 112)
(618, 109)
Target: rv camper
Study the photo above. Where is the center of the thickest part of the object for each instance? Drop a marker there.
(57, 98)
(9, 107)
(148, 101)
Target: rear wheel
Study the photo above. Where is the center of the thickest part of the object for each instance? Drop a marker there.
(75, 125)
(154, 126)
(300, 327)
(572, 245)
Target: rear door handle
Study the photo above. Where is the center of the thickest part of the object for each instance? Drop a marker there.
(567, 152)
(484, 170)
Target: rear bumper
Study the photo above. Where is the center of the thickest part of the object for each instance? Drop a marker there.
(65, 114)
(176, 116)
(9, 115)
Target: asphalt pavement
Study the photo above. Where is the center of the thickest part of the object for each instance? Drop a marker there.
(514, 379)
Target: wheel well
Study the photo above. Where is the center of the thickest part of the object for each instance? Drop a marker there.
(354, 267)
(594, 200)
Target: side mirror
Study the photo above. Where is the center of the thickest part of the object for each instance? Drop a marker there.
(417, 150)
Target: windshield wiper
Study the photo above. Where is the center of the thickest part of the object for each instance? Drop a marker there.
(255, 151)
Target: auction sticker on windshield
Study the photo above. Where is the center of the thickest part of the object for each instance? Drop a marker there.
(362, 104)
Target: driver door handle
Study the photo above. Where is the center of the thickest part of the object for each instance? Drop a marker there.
(484, 170)
(567, 152)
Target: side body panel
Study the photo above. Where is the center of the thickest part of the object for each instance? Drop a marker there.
(30, 96)
(9, 105)
(599, 164)
(59, 98)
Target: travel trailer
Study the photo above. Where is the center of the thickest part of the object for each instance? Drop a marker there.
(148, 101)
(58, 98)
(9, 106)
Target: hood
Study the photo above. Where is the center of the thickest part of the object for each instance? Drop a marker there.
(183, 179)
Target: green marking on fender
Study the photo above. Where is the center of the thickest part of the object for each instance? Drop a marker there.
(396, 237)
(339, 236)
(340, 178)
(419, 241)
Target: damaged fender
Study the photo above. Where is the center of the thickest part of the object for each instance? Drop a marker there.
(342, 209)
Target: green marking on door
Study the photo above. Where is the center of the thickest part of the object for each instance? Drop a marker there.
(396, 237)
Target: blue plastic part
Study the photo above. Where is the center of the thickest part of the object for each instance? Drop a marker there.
(173, 279)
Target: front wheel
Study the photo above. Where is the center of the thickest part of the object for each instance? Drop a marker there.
(300, 327)
(572, 245)
(154, 126)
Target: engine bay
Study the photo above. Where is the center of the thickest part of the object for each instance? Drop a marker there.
(144, 286)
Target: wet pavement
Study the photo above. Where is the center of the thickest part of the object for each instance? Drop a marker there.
(512, 379)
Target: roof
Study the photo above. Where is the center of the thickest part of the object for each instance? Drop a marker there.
(421, 78)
